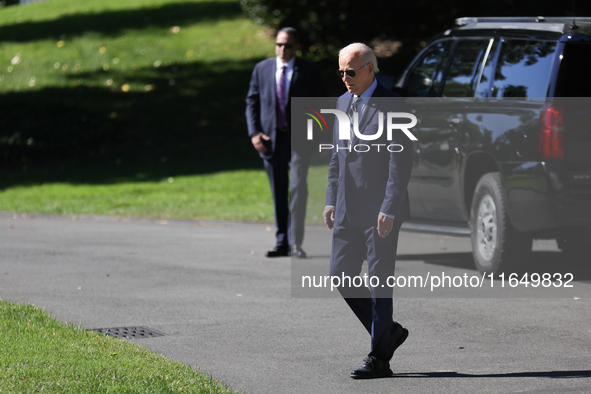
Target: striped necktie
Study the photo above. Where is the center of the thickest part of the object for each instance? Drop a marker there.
(281, 99)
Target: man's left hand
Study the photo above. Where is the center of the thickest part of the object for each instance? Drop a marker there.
(385, 225)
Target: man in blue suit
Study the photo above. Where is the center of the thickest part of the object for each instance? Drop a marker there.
(366, 203)
(268, 114)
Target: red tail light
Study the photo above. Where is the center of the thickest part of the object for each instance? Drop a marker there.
(551, 145)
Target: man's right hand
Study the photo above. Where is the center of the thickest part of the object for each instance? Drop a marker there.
(257, 142)
(328, 216)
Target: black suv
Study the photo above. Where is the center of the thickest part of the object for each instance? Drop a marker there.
(504, 136)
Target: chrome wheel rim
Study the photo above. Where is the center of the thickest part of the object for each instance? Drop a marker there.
(486, 228)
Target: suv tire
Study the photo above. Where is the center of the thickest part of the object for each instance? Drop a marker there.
(497, 247)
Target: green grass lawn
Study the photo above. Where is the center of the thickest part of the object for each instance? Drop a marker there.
(112, 80)
(42, 355)
(241, 195)
(132, 108)
(68, 43)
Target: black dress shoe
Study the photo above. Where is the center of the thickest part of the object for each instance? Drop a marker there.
(398, 335)
(372, 368)
(278, 251)
(297, 251)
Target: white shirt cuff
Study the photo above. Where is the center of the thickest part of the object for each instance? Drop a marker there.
(388, 216)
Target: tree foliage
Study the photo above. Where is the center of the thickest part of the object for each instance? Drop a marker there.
(8, 2)
(327, 25)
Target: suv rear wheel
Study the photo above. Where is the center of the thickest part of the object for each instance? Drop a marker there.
(497, 247)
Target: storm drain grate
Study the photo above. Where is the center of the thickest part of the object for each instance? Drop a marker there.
(130, 332)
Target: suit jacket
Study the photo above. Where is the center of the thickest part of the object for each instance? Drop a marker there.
(261, 100)
(363, 184)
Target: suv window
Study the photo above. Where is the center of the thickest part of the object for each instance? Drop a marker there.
(574, 78)
(523, 69)
(426, 75)
(464, 70)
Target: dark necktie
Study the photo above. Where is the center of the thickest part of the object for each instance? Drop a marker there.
(353, 109)
(281, 99)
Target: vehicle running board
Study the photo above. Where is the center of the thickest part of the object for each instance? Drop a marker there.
(436, 229)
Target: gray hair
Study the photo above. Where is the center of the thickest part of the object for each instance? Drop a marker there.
(366, 53)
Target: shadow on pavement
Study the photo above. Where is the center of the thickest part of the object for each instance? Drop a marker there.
(540, 262)
(543, 374)
(454, 260)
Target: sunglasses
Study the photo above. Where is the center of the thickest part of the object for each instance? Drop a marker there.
(351, 73)
(287, 46)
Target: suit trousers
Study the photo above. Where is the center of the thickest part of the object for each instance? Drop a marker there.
(288, 171)
(299, 195)
(351, 245)
(277, 168)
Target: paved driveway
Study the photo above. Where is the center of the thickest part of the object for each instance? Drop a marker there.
(230, 312)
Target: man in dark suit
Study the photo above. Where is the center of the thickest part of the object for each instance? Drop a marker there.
(366, 203)
(268, 114)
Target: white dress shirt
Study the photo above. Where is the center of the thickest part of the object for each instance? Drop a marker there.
(288, 73)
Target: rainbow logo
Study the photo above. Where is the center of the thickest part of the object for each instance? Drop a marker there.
(315, 115)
